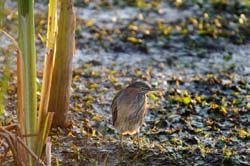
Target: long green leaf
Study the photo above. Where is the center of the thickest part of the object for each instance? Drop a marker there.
(43, 133)
(27, 64)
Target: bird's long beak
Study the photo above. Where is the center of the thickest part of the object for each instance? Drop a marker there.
(152, 90)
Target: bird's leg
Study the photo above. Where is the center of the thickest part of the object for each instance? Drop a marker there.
(121, 143)
(138, 140)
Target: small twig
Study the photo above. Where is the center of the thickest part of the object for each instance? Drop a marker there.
(2, 143)
(15, 141)
(7, 136)
(11, 38)
(10, 127)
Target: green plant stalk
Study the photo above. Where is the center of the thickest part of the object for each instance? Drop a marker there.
(57, 162)
(48, 62)
(43, 108)
(45, 118)
(62, 71)
(52, 24)
(44, 131)
(27, 66)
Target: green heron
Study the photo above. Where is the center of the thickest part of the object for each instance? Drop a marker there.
(129, 107)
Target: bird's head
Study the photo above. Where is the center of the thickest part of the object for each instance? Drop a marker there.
(143, 87)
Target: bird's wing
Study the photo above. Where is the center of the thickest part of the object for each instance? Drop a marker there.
(138, 108)
(114, 108)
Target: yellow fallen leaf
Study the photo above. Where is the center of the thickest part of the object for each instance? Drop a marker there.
(176, 141)
(94, 133)
(198, 99)
(186, 100)
(134, 40)
(76, 109)
(214, 106)
(185, 93)
(96, 118)
(242, 133)
(167, 30)
(217, 22)
(93, 86)
(198, 130)
(89, 23)
(223, 110)
(89, 97)
(95, 74)
(70, 134)
(156, 122)
(226, 152)
(153, 97)
(236, 110)
(132, 27)
(248, 106)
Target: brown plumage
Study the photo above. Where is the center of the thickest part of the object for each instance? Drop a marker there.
(129, 107)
